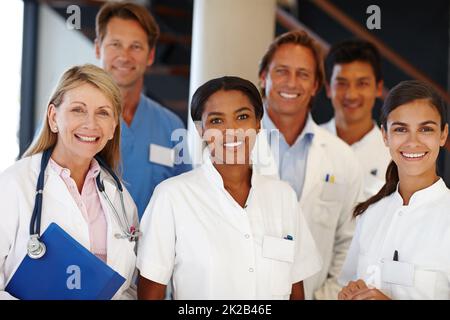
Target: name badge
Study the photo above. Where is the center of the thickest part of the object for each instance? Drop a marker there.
(278, 249)
(400, 273)
(161, 155)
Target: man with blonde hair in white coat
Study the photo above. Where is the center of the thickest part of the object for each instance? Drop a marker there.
(320, 167)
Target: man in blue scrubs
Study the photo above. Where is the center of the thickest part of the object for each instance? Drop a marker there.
(125, 44)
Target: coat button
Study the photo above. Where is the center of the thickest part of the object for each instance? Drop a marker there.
(247, 236)
(250, 270)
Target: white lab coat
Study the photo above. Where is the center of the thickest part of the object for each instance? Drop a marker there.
(419, 232)
(328, 207)
(215, 249)
(373, 156)
(18, 184)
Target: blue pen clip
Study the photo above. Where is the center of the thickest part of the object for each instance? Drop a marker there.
(288, 237)
(329, 178)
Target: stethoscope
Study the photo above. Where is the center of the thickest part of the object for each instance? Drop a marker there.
(36, 248)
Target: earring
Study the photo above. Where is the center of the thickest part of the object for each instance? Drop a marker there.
(55, 129)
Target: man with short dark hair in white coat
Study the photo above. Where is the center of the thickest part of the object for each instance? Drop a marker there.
(353, 81)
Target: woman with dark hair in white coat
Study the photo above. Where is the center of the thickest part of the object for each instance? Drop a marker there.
(223, 231)
(402, 239)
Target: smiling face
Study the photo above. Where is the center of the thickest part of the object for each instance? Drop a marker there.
(229, 126)
(414, 136)
(353, 90)
(289, 82)
(124, 52)
(84, 122)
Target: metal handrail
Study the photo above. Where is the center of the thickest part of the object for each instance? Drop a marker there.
(289, 22)
(390, 55)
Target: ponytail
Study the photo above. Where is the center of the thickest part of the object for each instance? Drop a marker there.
(403, 93)
(389, 187)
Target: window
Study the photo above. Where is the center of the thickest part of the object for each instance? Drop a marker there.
(11, 23)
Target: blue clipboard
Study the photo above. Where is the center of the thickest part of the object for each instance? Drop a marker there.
(67, 271)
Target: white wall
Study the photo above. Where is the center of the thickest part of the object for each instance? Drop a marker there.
(58, 49)
(11, 24)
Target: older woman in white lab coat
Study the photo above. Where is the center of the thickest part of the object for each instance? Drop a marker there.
(399, 250)
(81, 122)
(223, 231)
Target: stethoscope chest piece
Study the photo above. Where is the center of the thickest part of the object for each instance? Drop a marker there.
(36, 249)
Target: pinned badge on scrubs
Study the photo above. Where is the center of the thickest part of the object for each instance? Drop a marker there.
(161, 155)
(400, 273)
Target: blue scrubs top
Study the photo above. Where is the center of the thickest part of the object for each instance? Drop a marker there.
(152, 124)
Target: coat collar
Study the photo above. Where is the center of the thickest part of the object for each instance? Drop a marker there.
(53, 183)
(307, 132)
(421, 197)
(54, 186)
(214, 176)
(314, 169)
(56, 190)
(265, 162)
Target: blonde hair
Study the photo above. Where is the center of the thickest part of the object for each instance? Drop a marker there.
(73, 78)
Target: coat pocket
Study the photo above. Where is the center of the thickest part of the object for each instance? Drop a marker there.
(326, 213)
(281, 254)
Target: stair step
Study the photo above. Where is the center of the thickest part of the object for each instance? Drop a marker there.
(174, 70)
(180, 105)
(169, 38)
(163, 10)
(65, 3)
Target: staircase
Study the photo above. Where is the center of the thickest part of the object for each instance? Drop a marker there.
(167, 81)
(408, 31)
(418, 33)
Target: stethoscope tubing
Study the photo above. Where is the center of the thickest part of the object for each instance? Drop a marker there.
(36, 248)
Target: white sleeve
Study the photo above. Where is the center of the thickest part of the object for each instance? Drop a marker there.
(307, 260)
(350, 268)
(156, 247)
(9, 217)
